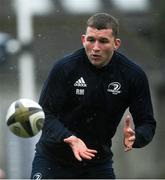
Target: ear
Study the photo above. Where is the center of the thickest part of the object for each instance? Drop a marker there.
(117, 43)
(83, 39)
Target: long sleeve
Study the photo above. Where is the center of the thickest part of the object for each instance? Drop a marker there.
(52, 100)
(142, 111)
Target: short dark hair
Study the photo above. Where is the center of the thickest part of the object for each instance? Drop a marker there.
(104, 21)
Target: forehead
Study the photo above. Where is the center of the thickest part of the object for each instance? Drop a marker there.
(99, 33)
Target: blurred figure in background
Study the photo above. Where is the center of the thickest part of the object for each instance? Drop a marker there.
(2, 174)
(84, 99)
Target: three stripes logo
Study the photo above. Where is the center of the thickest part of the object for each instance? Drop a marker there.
(80, 83)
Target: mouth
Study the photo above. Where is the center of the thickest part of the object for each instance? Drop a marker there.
(95, 56)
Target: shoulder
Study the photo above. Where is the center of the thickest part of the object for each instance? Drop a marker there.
(128, 66)
(67, 65)
(70, 61)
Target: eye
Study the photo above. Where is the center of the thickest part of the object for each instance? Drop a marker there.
(104, 40)
(91, 39)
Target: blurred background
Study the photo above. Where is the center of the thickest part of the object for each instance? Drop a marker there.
(35, 33)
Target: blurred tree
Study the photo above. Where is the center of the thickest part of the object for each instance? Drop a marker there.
(158, 8)
(158, 30)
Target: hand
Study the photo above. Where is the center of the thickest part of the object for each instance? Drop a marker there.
(129, 134)
(79, 148)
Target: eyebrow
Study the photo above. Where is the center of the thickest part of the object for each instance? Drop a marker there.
(100, 38)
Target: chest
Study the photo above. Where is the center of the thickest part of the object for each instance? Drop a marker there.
(99, 89)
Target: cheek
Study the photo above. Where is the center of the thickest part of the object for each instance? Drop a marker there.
(108, 52)
(108, 49)
(87, 46)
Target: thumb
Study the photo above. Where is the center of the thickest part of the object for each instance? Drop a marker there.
(66, 140)
(127, 122)
(70, 139)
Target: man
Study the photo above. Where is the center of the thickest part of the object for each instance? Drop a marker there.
(84, 99)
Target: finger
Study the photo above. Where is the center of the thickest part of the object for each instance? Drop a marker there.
(89, 154)
(85, 156)
(132, 138)
(130, 131)
(127, 122)
(66, 140)
(92, 151)
(77, 156)
(128, 148)
(129, 141)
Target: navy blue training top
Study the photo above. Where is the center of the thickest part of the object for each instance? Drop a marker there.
(80, 99)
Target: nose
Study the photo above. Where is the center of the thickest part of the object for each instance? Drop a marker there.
(96, 46)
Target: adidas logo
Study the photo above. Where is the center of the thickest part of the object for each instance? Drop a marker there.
(80, 83)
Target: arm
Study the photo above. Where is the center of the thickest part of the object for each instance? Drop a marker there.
(142, 111)
(52, 100)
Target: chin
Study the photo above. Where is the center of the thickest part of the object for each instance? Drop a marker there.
(97, 65)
